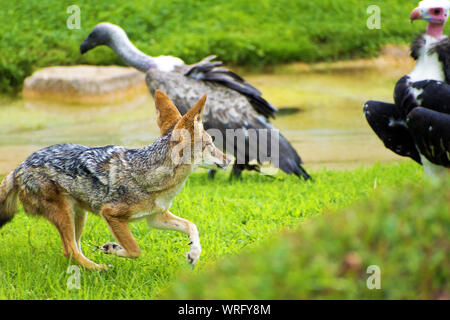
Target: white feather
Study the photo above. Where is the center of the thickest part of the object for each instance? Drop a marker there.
(433, 171)
(428, 66)
(426, 4)
(167, 63)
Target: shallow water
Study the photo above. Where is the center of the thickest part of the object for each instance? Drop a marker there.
(321, 116)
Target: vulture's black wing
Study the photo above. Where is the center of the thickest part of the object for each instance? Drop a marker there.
(431, 132)
(431, 94)
(405, 97)
(213, 71)
(387, 122)
(435, 95)
(443, 51)
(252, 140)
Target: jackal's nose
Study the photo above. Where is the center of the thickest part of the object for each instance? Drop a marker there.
(227, 161)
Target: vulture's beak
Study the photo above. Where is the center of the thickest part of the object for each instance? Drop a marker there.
(416, 14)
(86, 46)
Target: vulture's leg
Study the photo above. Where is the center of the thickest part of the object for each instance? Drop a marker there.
(431, 132)
(385, 119)
(236, 172)
(434, 95)
(212, 174)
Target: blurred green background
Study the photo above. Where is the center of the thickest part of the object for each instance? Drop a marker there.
(241, 32)
(403, 231)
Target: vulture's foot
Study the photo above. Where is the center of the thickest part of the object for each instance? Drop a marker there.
(211, 174)
(236, 172)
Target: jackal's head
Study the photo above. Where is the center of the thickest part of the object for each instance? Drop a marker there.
(190, 143)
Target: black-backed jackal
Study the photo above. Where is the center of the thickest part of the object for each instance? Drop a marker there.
(63, 182)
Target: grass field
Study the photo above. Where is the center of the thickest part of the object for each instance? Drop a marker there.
(402, 231)
(231, 217)
(240, 32)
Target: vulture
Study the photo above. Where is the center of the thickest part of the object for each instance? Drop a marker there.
(233, 105)
(417, 124)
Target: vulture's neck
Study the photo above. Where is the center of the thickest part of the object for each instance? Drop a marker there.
(428, 65)
(129, 54)
(435, 30)
(123, 47)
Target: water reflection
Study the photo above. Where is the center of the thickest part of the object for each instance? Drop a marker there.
(323, 120)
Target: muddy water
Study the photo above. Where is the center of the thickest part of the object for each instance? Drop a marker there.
(321, 115)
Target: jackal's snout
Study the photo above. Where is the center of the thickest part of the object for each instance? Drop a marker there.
(223, 160)
(212, 157)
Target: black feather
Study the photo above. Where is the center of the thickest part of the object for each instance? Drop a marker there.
(443, 50)
(386, 121)
(290, 161)
(404, 97)
(245, 152)
(431, 132)
(435, 95)
(416, 45)
(208, 70)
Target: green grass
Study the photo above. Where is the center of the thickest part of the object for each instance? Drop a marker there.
(240, 32)
(403, 231)
(231, 217)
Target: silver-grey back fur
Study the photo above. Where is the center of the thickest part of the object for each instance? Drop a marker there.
(95, 176)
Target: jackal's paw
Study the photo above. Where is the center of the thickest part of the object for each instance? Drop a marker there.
(111, 248)
(193, 255)
(92, 266)
(101, 267)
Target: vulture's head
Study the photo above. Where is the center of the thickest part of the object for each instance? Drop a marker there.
(102, 34)
(434, 11)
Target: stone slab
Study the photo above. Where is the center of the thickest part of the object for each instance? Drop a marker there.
(84, 84)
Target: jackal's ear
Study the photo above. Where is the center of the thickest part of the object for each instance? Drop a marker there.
(167, 115)
(197, 111)
(192, 116)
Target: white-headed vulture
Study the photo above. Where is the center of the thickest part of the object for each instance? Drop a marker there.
(417, 125)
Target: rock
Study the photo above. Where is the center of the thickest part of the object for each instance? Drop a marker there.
(84, 84)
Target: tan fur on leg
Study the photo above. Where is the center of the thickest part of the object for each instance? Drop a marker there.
(169, 221)
(62, 216)
(80, 221)
(118, 225)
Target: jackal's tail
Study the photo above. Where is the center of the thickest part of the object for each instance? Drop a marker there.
(8, 199)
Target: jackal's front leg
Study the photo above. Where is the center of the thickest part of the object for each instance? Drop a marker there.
(127, 247)
(168, 221)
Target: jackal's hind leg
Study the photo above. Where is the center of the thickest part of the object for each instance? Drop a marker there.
(168, 221)
(127, 247)
(60, 213)
(80, 221)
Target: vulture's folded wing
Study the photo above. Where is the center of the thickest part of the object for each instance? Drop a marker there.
(388, 124)
(434, 95)
(213, 71)
(431, 132)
